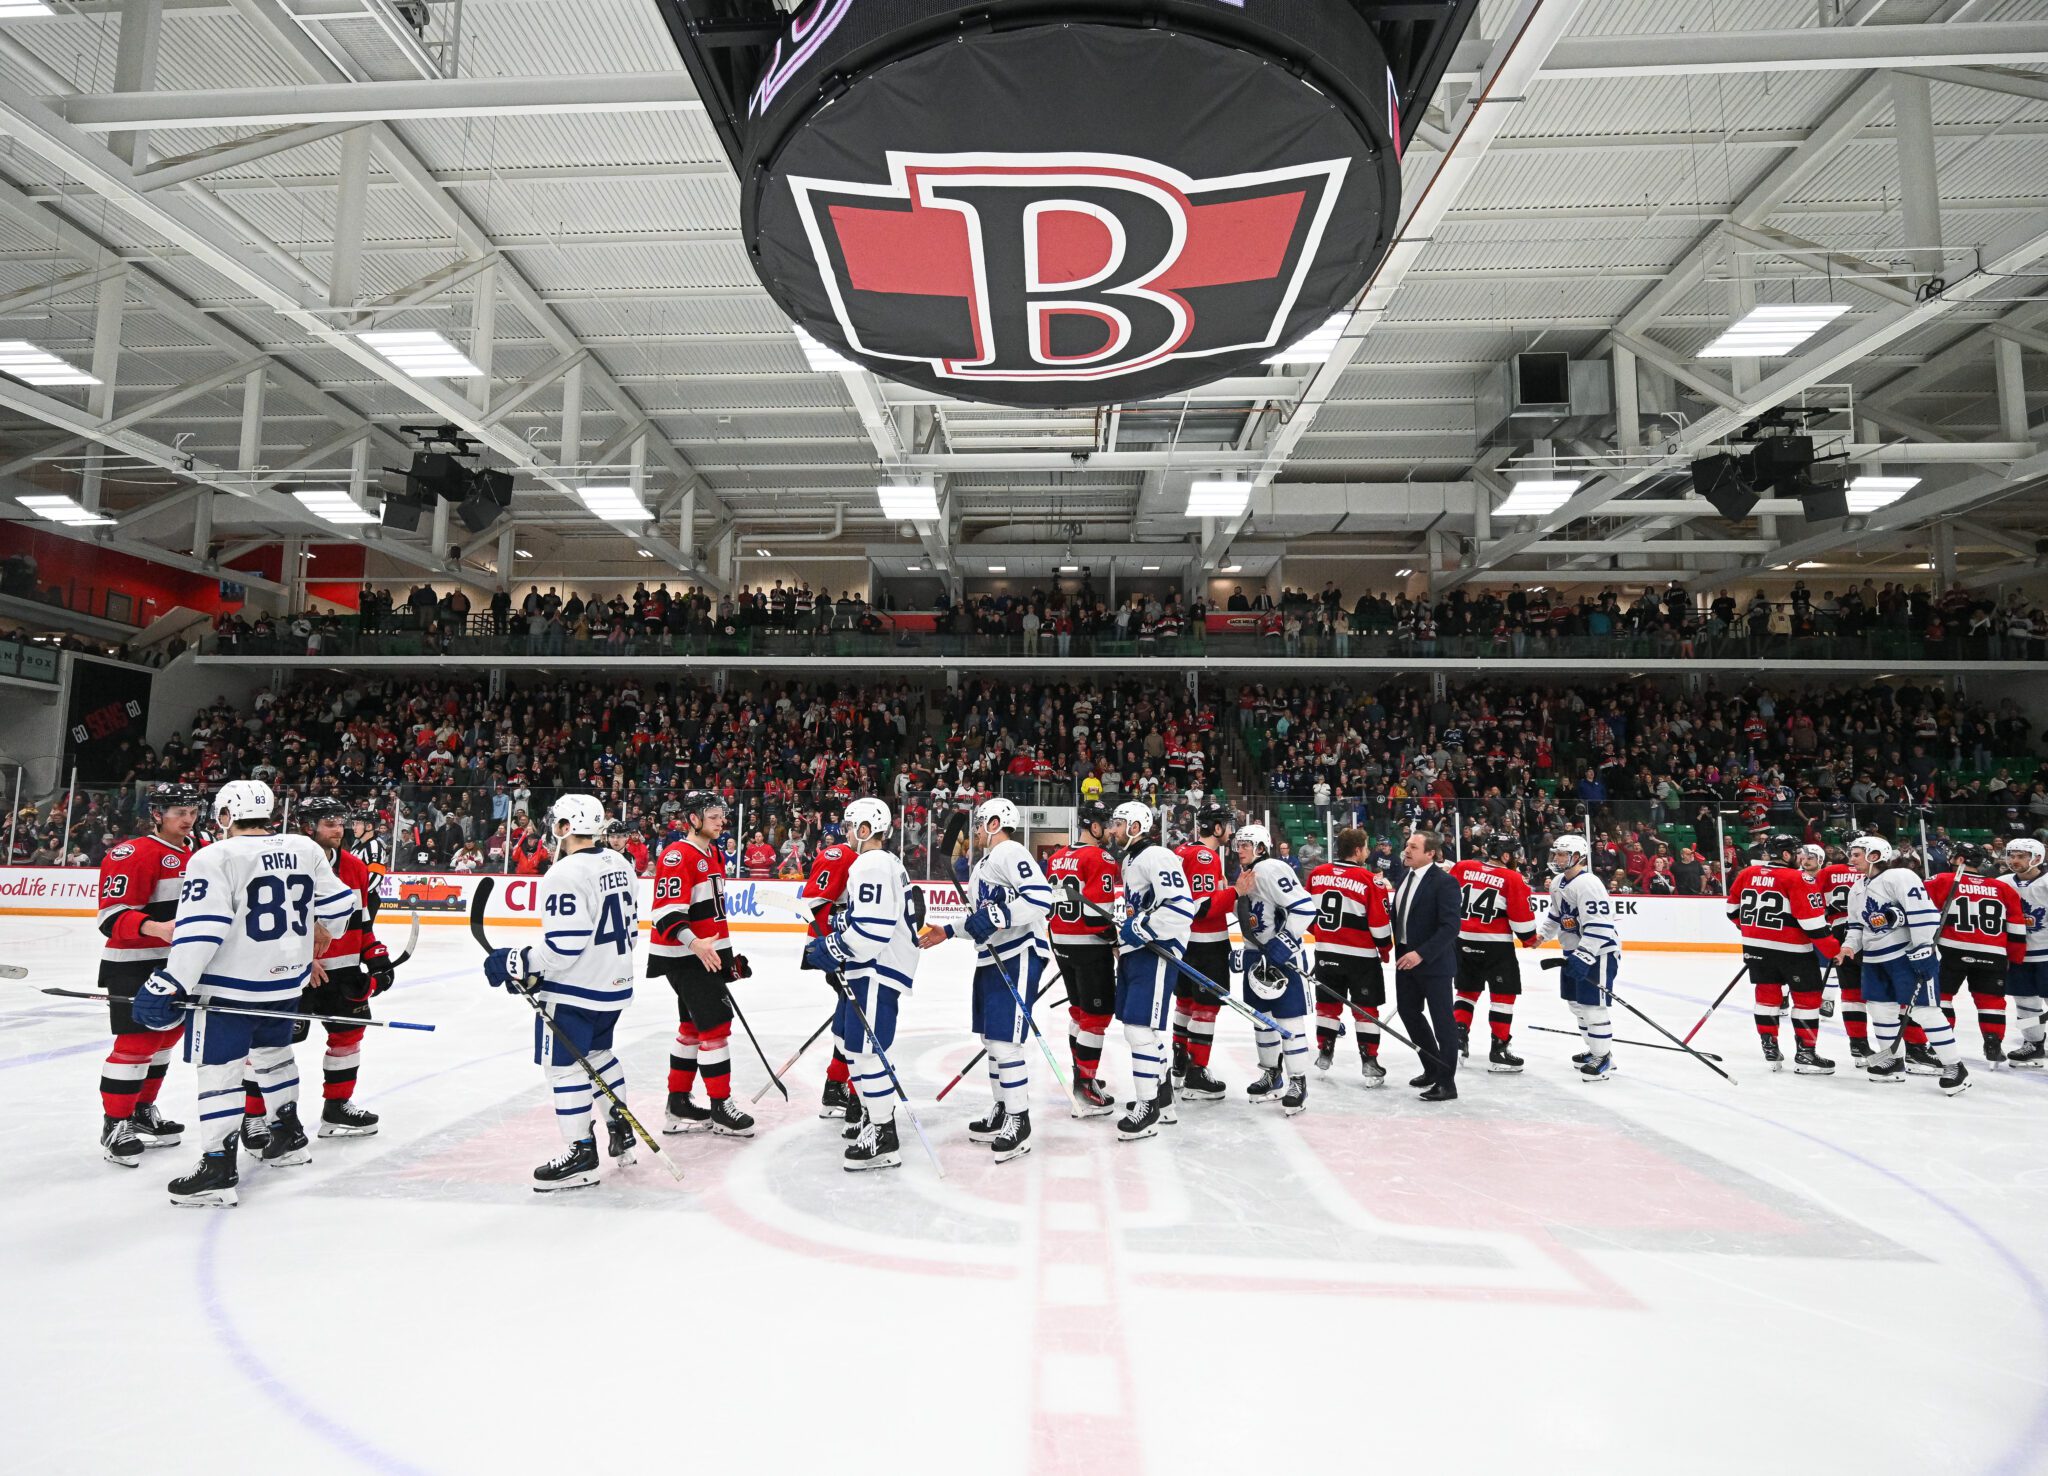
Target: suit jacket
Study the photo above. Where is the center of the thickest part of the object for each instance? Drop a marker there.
(1430, 924)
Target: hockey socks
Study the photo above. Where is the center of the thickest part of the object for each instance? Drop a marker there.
(871, 1079)
(1806, 1018)
(1201, 1032)
(1148, 1061)
(840, 1069)
(1925, 1021)
(1084, 1038)
(1009, 1075)
(135, 1069)
(682, 1061)
(1596, 1027)
(344, 1052)
(1770, 1004)
(714, 1062)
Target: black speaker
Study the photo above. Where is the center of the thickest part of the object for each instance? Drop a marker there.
(403, 514)
(478, 512)
(433, 474)
(1781, 463)
(497, 485)
(1720, 480)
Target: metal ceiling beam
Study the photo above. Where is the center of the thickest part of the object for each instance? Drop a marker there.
(2008, 80)
(202, 162)
(383, 102)
(1819, 48)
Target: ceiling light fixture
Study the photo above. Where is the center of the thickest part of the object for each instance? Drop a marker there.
(32, 365)
(913, 502)
(520, 553)
(1070, 568)
(824, 360)
(23, 9)
(1773, 329)
(1809, 564)
(1403, 573)
(333, 505)
(1218, 499)
(1868, 494)
(614, 504)
(1537, 497)
(643, 553)
(998, 568)
(1151, 568)
(1233, 568)
(1317, 347)
(66, 510)
(423, 354)
(763, 553)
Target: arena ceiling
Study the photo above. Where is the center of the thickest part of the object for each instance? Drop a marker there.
(207, 204)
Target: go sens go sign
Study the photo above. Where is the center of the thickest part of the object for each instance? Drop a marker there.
(1043, 204)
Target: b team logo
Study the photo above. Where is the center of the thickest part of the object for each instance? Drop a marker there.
(1014, 268)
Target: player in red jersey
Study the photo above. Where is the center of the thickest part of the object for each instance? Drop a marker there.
(348, 973)
(1496, 914)
(1353, 938)
(139, 882)
(821, 890)
(1208, 954)
(1983, 933)
(1781, 913)
(1834, 879)
(691, 948)
(758, 860)
(1085, 950)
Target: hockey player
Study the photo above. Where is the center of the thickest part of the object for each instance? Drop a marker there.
(1011, 900)
(2027, 982)
(1495, 914)
(1194, 1008)
(1983, 934)
(691, 948)
(1892, 928)
(583, 974)
(1083, 943)
(1781, 913)
(873, 948)
(1158, 911)
(248, 909)
(138, 897)
(1354, 938)
(1278, 913)
(1581, 918)
(823, 889)
(352, 969)
(1833, 879)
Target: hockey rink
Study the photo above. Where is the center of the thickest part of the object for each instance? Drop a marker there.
(1786, 1275)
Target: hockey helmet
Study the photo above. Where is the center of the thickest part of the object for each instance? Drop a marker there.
(245, 801)
(997, 814)
(577, 814)
(1875, 847)
(702, 802)
(1257, 837)
(1974, 859)
(316, 808)
(868, 812)
(175, 796)
(1573, 848)
(1090, 816)
(1212, 818)
(2024, 853)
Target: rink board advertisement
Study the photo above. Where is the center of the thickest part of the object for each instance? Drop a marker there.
(1651, 924)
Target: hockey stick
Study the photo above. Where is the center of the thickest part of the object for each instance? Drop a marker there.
(1223, 995)
(808, 1043)
(1712, 1007)
(1031, 1024)
(1643, 1045)
(477, 903)
(1681, 1045)
(412, 941)
(853, 998)
(773, 1080)
(350, 1021)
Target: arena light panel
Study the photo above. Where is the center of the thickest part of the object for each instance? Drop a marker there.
(1536, 498)
(1868, 494)
(614, 504)
(66, 510)
(1772, 330)
(915, 502)
(333, 505)
(422, 354)
(32, 364)
(1218, 499)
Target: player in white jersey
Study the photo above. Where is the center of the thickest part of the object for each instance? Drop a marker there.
(873, 948)
(1891, 925)
(2027, 983)
(1159, 911)
(254, 909)
(1277, 912)
(1011, 901)
(1581, 918)
(582, 974)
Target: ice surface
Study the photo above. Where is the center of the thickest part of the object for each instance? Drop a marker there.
(1792, 1274)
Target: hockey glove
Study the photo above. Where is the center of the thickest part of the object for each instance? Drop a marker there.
(825, 954)
(1924, 963)
(737, 967)
(159, 1004)
(1133, 933)
(504, 966)
(986, 921)
(378, 971)
(1586, 959)
(1280, 953)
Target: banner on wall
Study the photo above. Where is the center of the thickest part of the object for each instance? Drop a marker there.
(107, 718)
(1650, 924)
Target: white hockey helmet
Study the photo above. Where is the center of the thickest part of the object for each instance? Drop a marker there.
(1571, 845)
(869, 812)
(580, 813)
(245, 800)
(997, 813)
(1816, 854)
(1255, 836)
(1136, 818)
(2029, 851)
(1876, 847)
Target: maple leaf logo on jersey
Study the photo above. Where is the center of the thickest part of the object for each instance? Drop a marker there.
(1015, 268)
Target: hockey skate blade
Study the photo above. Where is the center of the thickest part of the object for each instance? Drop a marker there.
(719, 1131)
(1150, 1131)
(1499, 1070)
(1191, 1094)
(1959, 1088)
(1103, 1111)
(576, 1181)
(673, 1127)
(337, 1130)
(168, 1140)
(1813, 1071)
(207, 1199)
(1004, 1155)
(886, 1161)
(288, 1160)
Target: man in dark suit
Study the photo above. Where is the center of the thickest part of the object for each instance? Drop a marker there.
(1426, 908)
